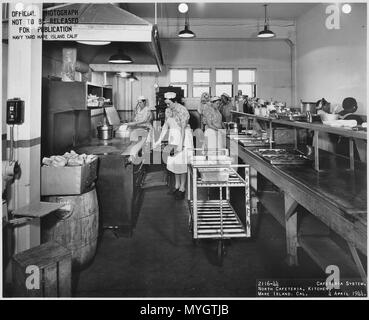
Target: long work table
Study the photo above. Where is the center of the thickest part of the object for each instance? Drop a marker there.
(352, 135)
(336, 196)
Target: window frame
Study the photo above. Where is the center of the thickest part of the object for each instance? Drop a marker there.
(232, 83)
(200, 84)
(252, 83)
(212, 84)
(180, 84)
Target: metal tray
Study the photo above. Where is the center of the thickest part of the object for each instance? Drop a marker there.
(254, 143)
(214, 174)
(284, 157)
(273, 152)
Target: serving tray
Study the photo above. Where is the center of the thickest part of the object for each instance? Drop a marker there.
(254, 143)
(283, 157)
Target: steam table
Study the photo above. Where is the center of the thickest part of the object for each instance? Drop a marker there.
(336, 196)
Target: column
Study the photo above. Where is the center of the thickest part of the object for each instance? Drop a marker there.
(24, 82)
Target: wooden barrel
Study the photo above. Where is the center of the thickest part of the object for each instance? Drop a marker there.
(75, 226)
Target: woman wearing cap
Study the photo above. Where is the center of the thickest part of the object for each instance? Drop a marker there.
(349, 106)
(179, 139)
(226, 107)
(204, 104)
(142, 114)
(213, 122)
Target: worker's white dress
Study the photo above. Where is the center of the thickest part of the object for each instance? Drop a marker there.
(178, 163)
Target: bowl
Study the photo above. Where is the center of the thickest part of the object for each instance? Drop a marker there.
(328, 116)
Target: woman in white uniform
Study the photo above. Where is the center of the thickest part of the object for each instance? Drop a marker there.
(141, 119)
(204, 104)
(213, 123)
(142, 114)
(179, 139)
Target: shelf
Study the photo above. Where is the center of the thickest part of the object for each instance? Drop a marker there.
(310, 126)
(209, 220)
(37, 210)
(235, 180)
(325, 252)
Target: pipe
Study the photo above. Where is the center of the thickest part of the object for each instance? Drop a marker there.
(71, 65)
(11, 155)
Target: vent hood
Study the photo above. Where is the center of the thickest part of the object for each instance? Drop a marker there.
(107, 22)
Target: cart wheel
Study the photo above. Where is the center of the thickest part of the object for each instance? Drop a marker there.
(220, 252)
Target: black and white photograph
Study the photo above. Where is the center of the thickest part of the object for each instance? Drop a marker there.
(184, 150)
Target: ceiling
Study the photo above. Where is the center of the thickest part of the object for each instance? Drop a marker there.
(225, 10)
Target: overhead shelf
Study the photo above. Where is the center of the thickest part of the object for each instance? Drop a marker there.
(310, 126)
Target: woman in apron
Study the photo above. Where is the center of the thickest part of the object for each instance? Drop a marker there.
(179, 140)
(141, 119)
(213, 123)
(204, 104)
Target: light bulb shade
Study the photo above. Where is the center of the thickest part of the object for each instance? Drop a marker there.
(266, 33)
(132, 78)
(186, 33)
(120, 58)
(95, 43)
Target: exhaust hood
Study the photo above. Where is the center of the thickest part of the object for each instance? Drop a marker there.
(107, 22)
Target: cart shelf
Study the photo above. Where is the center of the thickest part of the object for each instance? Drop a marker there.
(235, 180)
(209, 220)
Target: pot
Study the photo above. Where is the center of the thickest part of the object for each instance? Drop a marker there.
(308, 106)
(105, 132)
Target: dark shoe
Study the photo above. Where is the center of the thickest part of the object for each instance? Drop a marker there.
(180, 195)
(173, 191)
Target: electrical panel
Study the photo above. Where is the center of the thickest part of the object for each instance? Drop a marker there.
(14, 111)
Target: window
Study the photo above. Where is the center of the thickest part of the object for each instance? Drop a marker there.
(214, 81)
(224, 81)
(246, 82)
(201, 82)
(178, 78)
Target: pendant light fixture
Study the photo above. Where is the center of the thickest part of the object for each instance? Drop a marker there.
(186, 32)
(266, 33)
(94, 43)
(120, 57)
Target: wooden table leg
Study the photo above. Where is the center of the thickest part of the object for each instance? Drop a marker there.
(253, 190)
(352, 155)
(270, 134)
(316, 150)
(290, 206)
(358, 263)
(296, 138)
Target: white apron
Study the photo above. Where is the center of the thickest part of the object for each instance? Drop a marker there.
(213, 139)
(178, 163)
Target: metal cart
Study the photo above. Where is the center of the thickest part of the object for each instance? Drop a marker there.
(216, 219)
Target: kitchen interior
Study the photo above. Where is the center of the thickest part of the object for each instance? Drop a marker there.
(87, 198)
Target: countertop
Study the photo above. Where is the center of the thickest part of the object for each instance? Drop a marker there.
(335, 183)
(122, 146)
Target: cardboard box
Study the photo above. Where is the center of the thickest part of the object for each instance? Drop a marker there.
(68, 180)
